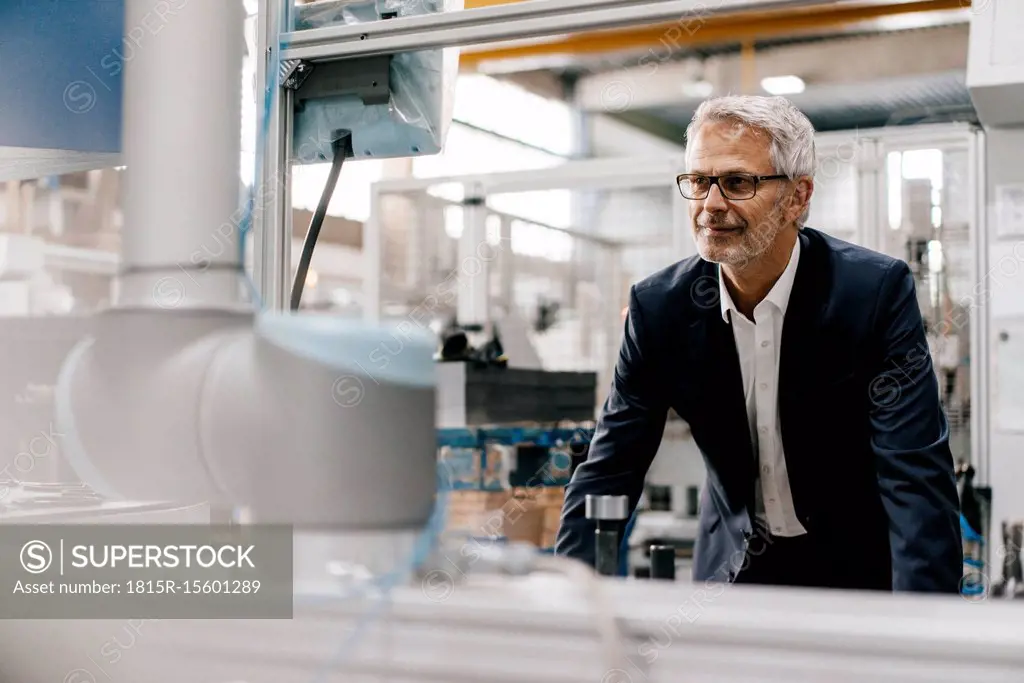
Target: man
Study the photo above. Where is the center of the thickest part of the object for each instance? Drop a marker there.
(801, 365)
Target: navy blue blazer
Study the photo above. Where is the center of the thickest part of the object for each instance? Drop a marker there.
(863, 431)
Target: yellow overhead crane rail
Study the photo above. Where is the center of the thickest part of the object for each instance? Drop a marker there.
(696, 30)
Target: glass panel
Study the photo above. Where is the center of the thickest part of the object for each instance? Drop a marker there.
(468, 151)
(516, 113)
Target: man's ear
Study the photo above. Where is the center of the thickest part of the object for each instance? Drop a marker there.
(802, 192)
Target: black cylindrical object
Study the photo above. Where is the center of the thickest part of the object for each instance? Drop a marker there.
(606, 551)
(663, 562)
(609, 514)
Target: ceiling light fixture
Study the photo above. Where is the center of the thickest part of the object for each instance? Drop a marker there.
(699, 89)
(783, 85)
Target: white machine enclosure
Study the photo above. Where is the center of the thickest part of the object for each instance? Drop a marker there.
(542, 628)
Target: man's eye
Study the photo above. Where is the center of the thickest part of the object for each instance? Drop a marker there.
(736, 183)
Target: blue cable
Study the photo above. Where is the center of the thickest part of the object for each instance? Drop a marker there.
(968, 531)
(384, 584)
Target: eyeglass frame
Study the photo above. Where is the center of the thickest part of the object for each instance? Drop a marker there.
(713, 180)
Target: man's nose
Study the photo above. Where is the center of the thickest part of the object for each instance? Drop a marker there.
(715, 202)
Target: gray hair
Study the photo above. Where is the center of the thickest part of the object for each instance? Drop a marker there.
(789, 131)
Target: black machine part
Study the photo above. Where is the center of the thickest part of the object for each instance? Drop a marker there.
(607, 508)
(606, 557)
(609, 513)
(663, 562)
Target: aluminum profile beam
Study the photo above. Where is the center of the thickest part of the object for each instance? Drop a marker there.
(746, 27)
(272, 219)
(517, 21)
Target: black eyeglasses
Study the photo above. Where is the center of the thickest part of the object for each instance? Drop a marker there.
(735, 186)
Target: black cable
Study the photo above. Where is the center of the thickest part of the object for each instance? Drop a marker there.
(341, 147)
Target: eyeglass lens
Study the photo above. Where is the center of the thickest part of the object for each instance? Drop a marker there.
(732, 186)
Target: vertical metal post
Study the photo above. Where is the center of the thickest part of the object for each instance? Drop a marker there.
(613, 288)
(881, 228)
(272, 219)
(871, 206)
(373, 264)
(473, 269)
(979, 316)
(506, 265)
(417, 247)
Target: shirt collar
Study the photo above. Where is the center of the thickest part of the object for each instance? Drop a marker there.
(778, 295)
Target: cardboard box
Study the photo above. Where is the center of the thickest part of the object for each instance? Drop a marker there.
(524, 519)
(525, 514)
(477, 513)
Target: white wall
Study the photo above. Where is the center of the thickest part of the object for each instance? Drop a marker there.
(609, 137)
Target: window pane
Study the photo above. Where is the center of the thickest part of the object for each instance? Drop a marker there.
(514, 112)
(351, 198)
(469, 151)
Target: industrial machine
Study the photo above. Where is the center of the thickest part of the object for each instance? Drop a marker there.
(290, 428)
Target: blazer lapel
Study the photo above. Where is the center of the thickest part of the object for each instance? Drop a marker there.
(801, 337)
(721, 394)
(802, 346)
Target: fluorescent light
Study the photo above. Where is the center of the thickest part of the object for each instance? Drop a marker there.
(699, 89)
(783, 85)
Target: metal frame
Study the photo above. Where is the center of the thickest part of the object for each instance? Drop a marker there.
(536, 18)
(272, 219)
(533, 19)
(979, 317)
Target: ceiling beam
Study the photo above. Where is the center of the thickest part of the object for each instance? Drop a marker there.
(659, 128)
(697, 30)
(846, 61)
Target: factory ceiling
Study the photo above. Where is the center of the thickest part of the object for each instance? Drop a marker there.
(854, 65)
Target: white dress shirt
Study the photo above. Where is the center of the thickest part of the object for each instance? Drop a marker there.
(758, 345)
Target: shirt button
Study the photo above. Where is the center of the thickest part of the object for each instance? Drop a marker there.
(763, 430)
(777, 529)
(764, 344)
(766, 469)
(764, 385)
(771, 500)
